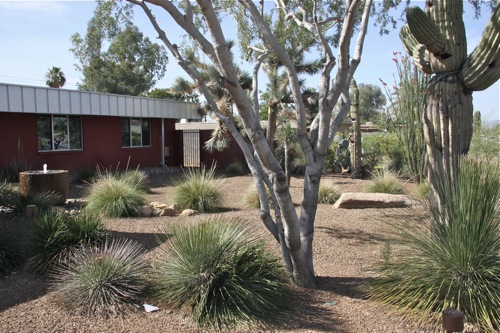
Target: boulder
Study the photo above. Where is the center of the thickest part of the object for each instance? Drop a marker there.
(168, 212)
(359, 200)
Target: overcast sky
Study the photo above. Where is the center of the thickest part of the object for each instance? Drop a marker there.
(35, 35)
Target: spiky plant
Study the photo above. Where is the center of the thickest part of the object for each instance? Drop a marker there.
(137, 178)
(385, 182)
(112, 196)
(101, 280)
(51, 235)
(10, 196)
(328, 194)
(454, 261)
(220, 274)
(11, 254)
(199, 190)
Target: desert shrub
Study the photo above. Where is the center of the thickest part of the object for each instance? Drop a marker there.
(454, 260)
(422, 191)
(385, 182)
(380, 149)
(486, 142)
(235, 169)
(328, 194)
(101, 280)
(11, 254)
(220, 274)
(251, 198)
(115, 196)
(51, 235)
(137, 178)
(9, 195)
(199, 190)
(84, 175)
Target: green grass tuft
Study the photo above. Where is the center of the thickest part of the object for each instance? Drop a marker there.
(454, 260)
(50, 236)
(199, 190)
(328, 194)
(222, 275)
(101, 280)
(116, 196)
(385, 182)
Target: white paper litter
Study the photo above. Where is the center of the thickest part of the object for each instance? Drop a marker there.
(150, 308)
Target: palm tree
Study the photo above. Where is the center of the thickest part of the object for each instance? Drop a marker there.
(55, 77)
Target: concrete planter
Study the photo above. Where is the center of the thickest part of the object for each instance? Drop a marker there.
(55, 181)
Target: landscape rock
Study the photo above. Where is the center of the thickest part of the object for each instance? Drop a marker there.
(189, 212)
(360, 200)
(168, 212)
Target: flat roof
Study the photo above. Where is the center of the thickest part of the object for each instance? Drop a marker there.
(44, 100)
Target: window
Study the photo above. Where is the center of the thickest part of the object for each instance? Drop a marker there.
(136, 132)
(59, 133)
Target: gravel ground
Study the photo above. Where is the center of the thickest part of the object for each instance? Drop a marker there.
(347, 243)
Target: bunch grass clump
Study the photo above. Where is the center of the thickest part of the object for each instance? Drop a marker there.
(235, 169)
(11, 197)
(105, 280)
(115, 195)
(200, 190)
(51, 235)
(11, 254)
(251, 199)
(385, 182)
(454, 261)
(328, 194)
(221, 275)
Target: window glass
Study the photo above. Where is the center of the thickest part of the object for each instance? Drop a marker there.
(75, 133)
(136, 130)
(44, 133)
(60, 124)
(146, 141)
(125, 133)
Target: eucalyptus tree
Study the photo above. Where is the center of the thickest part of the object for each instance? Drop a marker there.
(55, 77)
(114, 56)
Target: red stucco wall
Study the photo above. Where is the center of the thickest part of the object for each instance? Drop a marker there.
(101, 144)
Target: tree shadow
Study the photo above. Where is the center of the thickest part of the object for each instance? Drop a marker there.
(20, 287)
(150, 241)
(357, 235)
(352, 287)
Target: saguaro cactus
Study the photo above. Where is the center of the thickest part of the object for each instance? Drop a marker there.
(436, 40)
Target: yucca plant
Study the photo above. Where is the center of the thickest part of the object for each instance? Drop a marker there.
(113, 196)
(454, 261)
(10, 196)
(11, 254)
(223, 276)
(199, 190)
(50, 236)
(101, 280)
(328, 194)
(385, 182)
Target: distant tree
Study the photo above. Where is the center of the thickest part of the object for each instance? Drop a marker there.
(169, 93)
(55, 77)
(371, 102)
(131, 65)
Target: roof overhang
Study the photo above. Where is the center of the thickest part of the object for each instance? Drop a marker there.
(43, 100)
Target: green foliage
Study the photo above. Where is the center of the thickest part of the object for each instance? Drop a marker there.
(11, 197)
(454, 260)
(55, 77)
(101, 280)
(371, 102)
(328, 194)
(130, 65)
(423, 191)
(408, 105)
(199, 190)
(221, 274)
(385, 182)
(236, 169)
(251, 198)
(486, 142)
(84, 175)
(117, 195)
(381, 148)
(51, 236)
(11, 254)
(136, 178)
(342, 160)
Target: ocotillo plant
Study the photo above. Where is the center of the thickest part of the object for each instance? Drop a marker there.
(436, 39)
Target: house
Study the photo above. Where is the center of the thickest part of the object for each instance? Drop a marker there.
(72, 130)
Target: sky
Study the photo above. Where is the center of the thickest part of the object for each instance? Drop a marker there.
(36, 35)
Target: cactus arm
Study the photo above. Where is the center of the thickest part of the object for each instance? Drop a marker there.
(482, 67)
(416, 50)
(425, 31)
